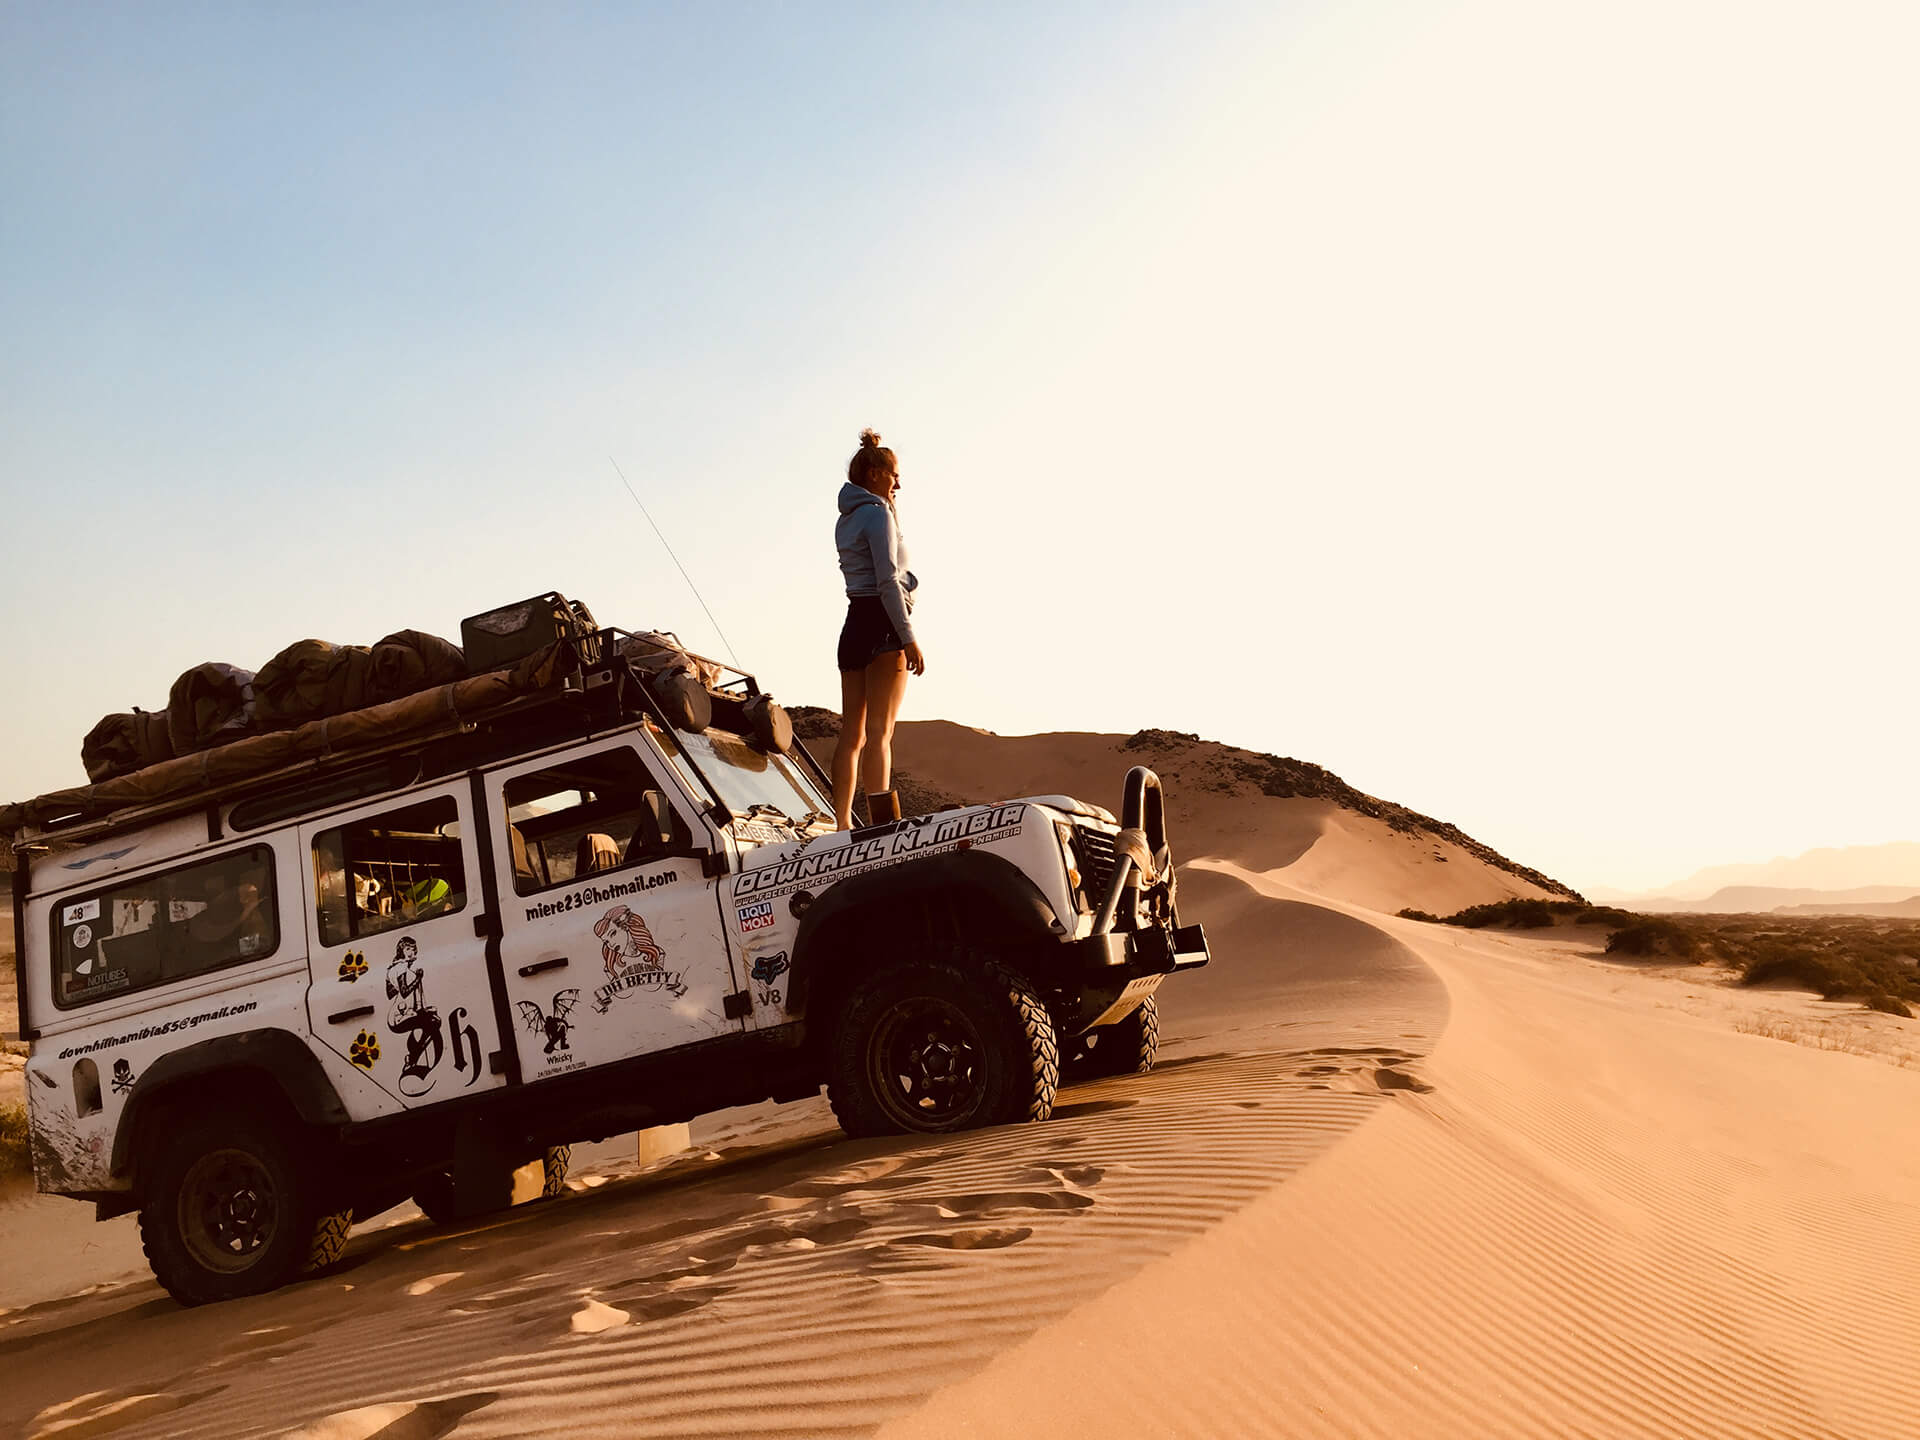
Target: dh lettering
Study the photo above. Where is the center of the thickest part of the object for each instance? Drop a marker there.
(466, 1043)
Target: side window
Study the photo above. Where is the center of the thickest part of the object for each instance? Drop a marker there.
(170, 926)
(389, 870)
(600, 812)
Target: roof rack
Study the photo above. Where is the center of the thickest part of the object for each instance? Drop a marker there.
(551, 682)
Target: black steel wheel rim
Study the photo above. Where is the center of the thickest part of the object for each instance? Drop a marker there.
(926, 1064)
(229, 1210)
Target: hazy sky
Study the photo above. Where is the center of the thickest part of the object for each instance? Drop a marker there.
(1509, 406)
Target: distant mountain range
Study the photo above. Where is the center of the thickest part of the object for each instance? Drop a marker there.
(1908, 909)
(1758, 899)
(1848, 880)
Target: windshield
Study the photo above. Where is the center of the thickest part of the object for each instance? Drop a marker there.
(744, 776)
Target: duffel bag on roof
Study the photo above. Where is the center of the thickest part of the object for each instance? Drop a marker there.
(121, 744)
(210, 704)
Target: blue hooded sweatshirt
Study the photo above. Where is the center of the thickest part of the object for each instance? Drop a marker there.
(873, 556)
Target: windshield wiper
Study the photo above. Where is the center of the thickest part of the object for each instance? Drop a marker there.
(812, 816)
(764, 807)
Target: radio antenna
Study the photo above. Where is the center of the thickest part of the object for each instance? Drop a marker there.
(676, 561)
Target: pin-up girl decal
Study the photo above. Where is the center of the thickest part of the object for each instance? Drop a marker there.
(626, 942)
(412, 1017)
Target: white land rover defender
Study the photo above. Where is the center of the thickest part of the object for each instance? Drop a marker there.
(301, 977)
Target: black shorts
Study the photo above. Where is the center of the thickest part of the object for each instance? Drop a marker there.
(868, 633)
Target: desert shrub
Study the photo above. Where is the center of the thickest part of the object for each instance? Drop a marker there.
(1819, 964)
(1478, 917)
(15, 1158)
(1603, 915)
(1827, 976)
(1528, 915)
(1515, 914)
(811, 722)
(1653, 936)
(1411, 914)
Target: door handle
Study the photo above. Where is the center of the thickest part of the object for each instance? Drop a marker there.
(359, 1012)
(539, 965)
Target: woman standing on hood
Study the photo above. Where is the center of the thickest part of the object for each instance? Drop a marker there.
(877, 648)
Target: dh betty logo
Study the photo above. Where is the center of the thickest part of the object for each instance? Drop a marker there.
(633, 959)
(668, 981)
(626, 942)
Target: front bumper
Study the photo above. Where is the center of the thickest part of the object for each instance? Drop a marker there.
(1109, 975)
(1133, 953)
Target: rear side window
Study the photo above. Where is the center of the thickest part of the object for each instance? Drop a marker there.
(160, 928)
(389, 870)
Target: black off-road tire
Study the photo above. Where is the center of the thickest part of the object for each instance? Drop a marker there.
(979, 1025)
(328, 1242)
(1129, 1046)
(229, 1207)
(553, 1181)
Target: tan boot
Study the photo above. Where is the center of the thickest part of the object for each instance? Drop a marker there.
(883, 806)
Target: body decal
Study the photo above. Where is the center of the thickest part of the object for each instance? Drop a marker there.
(633, 959)
(413, 1018)
(765, 971)
(592, 895)
(910, 838)
(553, 1023)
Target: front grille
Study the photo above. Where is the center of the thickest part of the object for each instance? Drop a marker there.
(1095, 849)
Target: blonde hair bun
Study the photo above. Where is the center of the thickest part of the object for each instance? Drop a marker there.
(869, 439)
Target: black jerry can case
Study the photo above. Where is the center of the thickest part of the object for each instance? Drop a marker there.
(500, 638)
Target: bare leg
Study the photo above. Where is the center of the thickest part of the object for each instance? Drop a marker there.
(846, 754)
(886, 686)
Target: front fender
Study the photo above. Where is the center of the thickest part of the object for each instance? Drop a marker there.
(970, 893)
(280, 1057)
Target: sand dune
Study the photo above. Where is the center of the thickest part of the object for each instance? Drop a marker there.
(1390, 1180)
(1606, 1218)
(1216, 808)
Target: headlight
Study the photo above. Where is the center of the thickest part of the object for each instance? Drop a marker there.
(1072, 859)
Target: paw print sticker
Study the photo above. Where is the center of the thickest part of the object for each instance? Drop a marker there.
(364, 1050)
(353, 966)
